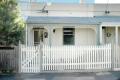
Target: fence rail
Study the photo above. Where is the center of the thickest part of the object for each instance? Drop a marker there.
(9, 59)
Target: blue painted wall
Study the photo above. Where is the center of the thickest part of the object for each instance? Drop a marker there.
(61, 1)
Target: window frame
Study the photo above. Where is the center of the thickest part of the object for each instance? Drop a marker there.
(72, 35)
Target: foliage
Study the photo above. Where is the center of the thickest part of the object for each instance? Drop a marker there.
(11, 23)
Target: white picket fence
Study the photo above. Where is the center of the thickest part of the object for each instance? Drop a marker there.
(38, 59)
(116, 58)
(34, 59)
(76, 58)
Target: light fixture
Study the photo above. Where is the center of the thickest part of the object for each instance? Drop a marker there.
(53, 30)
(107, 12)
(45, 34)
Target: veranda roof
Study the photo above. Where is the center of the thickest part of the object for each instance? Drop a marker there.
(72, 20)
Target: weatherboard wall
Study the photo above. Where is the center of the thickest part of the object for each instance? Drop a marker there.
(84, 35)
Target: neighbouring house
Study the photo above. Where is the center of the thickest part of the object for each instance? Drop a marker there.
(71, 38)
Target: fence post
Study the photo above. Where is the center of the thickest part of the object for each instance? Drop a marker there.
(19, 58)
(16, 61)
(41, 57)
(113, 53)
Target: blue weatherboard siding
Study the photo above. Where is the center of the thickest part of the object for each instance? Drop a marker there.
(70, 1)
(64, 1)
(60, 1)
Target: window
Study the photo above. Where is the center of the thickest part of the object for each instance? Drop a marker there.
(68, 36)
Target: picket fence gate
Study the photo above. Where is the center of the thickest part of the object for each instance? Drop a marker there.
(29, 59)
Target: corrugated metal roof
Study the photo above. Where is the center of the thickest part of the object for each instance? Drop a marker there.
(72, 20)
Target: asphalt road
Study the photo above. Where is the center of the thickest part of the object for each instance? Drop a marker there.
(70, 76)
(61, 76)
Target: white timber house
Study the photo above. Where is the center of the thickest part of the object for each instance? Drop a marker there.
(71, 38)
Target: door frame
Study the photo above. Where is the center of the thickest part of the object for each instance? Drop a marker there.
(39, 32)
